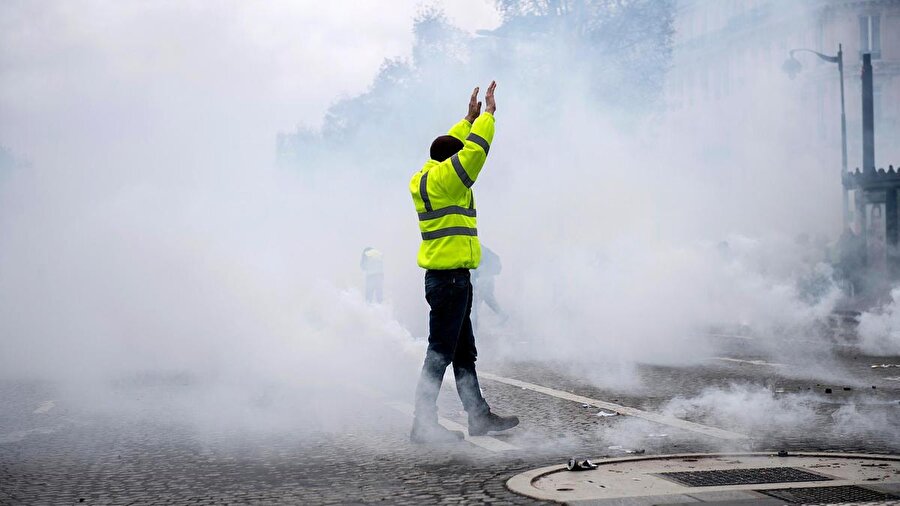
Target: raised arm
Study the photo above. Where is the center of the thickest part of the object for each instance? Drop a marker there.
(461, 130)
(465, 166)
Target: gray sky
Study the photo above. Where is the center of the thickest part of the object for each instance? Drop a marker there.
(128, 79)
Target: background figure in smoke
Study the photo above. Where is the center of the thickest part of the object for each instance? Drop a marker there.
(877, 243)
(372, 264)
(483, 282)
(876, 249)
(852, 259)
(445, 204)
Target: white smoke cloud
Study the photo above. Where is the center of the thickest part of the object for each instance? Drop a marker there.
(154, 234)
(762, 412)
(747, 408)
(879, 329)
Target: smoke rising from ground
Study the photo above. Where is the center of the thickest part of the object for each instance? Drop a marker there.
(879, 329)
(154, 232)
(763, 413)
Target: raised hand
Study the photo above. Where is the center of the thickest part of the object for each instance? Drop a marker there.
(491, 105)
(474, 106)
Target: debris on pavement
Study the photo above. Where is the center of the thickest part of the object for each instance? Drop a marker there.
(622, 449)
(580, 465)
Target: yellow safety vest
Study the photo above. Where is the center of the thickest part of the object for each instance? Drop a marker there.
(442, 194)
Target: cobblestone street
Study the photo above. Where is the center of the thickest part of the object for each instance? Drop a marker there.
(653, 246)
(144, 449)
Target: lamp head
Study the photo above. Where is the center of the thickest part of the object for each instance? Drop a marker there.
(791, 67)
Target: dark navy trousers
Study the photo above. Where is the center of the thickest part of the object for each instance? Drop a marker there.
(450, 341)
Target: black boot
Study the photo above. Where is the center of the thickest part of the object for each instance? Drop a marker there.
(479, 425)
(432, 432)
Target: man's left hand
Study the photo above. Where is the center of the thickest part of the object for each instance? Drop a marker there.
(474, 107)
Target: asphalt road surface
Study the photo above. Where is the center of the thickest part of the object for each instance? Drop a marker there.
(165, 439)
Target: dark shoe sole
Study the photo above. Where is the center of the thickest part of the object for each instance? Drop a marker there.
(483, 432)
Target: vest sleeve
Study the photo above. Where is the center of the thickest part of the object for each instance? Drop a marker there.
(460, 130)
(459, 172)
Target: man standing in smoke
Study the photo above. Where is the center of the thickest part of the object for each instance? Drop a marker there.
(442, 194)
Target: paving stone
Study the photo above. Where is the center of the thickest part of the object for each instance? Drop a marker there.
(145, 456)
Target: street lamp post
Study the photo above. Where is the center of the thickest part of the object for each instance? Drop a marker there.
(792, 67)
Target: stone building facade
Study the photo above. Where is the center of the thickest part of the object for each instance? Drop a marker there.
(733, 53)
(721, 46)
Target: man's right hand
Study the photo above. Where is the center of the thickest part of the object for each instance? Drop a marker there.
(490, 104)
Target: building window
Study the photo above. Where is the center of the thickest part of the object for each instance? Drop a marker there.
(870, 36)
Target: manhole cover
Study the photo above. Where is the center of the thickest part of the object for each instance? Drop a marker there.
(725, 477)
(807, 478)
(822, 495)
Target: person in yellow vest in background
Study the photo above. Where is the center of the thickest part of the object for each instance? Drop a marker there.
(442, 194)
(372, 264)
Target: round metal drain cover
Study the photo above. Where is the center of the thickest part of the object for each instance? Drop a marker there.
(752, 476)
(796, 478)
(829, 495)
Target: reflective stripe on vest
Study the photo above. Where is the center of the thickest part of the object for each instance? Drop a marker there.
(461, 172)
(477, 139)
(423, 191)
(444, 211)
(445, 232)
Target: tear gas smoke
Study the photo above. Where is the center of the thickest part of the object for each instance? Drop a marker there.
(765, 415)
(879, 329)
(153, 233)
